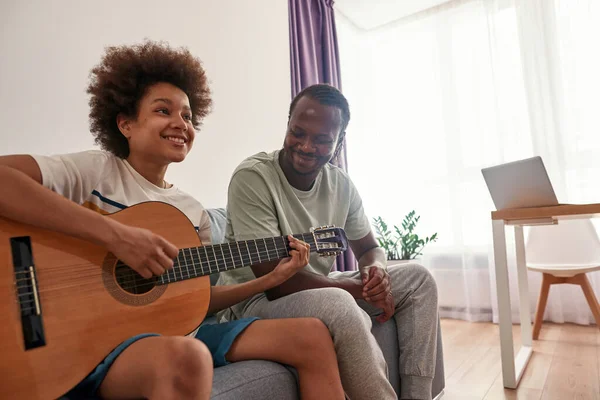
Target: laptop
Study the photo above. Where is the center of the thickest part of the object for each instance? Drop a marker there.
(520, 184)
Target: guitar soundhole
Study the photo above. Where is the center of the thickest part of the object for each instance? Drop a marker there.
(131, 281)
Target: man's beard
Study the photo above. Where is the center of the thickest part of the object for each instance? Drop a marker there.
(315, 170)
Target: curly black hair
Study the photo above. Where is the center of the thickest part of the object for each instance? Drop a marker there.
(124, 74)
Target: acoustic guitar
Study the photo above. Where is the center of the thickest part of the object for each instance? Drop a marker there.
(66, 303)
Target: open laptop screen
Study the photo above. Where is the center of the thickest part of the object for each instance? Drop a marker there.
(520, 184)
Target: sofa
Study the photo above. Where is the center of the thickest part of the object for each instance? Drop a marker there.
(258, 379)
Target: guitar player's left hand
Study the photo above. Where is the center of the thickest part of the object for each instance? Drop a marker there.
(290, 265)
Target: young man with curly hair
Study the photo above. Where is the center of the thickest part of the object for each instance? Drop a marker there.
(146, 103)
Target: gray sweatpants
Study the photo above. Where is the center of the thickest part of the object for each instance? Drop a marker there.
(362, 366)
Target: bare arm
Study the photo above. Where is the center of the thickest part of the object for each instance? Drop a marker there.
(22, 202)
(142, 250)
(368, 253)
(226, 296)
(377, 285)
(304, 280)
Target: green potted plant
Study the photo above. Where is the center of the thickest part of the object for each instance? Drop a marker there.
(401, 244)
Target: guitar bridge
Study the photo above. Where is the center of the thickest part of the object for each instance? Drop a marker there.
(27, 292)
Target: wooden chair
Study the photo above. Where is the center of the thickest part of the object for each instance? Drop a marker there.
(564, 253)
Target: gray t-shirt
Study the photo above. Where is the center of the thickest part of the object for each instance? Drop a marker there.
(262, 204)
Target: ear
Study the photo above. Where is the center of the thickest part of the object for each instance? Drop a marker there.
(124, 124)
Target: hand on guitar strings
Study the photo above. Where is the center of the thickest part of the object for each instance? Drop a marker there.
(290, 265)
(142, 250)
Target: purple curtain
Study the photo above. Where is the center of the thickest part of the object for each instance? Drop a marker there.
(314, 58)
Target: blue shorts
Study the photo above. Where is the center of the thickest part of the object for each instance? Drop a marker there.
(217, 337)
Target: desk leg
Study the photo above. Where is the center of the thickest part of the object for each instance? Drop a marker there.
(504, 313)
(524, 311)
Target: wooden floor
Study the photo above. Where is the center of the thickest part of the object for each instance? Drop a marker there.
(565, 363)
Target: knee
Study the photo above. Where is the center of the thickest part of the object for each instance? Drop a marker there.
(341, 314)
(312, 340)
(189, 369)
(427, 280)
(319, 337)
(420, 278)
(333, 302)
(335, 297)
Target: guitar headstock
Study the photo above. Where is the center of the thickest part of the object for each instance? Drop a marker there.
(329, 240)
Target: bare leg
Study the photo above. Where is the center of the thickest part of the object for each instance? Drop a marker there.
(161, 367)
(303, 343)
(361, 363)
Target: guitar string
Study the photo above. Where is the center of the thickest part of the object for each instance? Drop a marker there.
(144, 282)
(222, 247)
(181, 259)
(226, 245)
(133, 282)
(98, 283)
(63, 292)
(79, 284)
(201, 266)
(238, 260)
(239, 257)
(178, 272)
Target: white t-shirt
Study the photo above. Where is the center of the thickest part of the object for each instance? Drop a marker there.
(261, 204)
(105, 183)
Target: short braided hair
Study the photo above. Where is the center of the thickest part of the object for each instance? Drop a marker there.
(326, 95)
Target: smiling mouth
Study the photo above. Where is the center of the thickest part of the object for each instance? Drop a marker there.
(304, 156)
(303, 161)
(175, 139)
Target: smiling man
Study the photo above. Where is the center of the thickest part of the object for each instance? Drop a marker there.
(296, 188)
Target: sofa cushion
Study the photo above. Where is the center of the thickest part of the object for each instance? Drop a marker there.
(254, 379)
(218, 223)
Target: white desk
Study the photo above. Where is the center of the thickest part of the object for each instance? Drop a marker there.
(513, 367)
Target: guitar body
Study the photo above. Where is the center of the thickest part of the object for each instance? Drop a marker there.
(84, 313)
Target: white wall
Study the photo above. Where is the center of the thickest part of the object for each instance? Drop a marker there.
(47, 49)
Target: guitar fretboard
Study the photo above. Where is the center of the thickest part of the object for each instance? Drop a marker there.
(206, 260)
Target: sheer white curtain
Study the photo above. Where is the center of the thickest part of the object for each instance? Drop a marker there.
(439, 95)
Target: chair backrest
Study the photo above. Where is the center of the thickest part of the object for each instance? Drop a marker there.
(570, 242)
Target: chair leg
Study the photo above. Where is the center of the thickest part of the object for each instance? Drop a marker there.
(541, 306)
(591, 298)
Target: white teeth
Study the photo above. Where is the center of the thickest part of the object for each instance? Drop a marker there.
(175, 139)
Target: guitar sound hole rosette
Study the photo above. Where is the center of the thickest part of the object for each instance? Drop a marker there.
(126, 285)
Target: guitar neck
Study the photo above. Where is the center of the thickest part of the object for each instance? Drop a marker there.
(194, 262)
